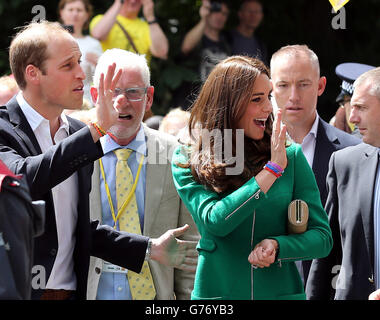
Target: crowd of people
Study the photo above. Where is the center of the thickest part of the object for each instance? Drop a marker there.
(194, 204)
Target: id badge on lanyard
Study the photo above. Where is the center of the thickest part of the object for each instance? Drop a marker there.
(109, 267)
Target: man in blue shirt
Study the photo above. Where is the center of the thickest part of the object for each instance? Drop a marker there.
(158, 206)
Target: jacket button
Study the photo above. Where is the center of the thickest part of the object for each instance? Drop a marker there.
(97, 270)
(53, 252)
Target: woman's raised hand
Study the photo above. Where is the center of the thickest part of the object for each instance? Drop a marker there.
(278, 150)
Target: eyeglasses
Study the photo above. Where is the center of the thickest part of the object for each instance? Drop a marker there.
(132, 94)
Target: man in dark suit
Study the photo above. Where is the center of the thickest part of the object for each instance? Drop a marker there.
(353, 205)
(297, 84)
(56, 153)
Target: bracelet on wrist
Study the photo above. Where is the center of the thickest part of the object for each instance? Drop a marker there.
(272, 171)
(274, 168)
(153, 21)
(98, 129)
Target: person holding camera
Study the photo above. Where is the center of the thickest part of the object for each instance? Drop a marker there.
(202, 48)
(121, 28)
(207, 38)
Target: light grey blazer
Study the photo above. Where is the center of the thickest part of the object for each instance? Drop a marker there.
(347, 273)
(164, 210)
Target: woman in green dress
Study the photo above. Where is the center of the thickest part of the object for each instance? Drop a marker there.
(237, 178)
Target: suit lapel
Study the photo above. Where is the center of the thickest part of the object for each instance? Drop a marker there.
(155, 179)
(324, 147)
(22, 127)
(366, 185)
(95, 201)
(73, 126)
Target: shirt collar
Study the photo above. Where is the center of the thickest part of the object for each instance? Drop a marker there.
(314, 127)
(34, 118)
(138, 144)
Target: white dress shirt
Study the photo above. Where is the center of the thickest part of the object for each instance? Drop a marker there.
(65, 198)
(308, 143)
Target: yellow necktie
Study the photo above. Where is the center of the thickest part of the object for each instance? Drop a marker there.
(141, 284)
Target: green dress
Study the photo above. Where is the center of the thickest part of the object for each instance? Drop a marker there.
(232, 225)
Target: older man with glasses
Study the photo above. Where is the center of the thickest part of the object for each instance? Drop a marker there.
(132, 188)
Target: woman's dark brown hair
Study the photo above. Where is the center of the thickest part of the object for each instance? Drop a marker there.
(221, 103)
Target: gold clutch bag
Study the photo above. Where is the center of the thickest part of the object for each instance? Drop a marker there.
(298, 215)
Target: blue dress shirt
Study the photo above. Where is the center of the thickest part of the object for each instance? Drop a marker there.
(114, 286)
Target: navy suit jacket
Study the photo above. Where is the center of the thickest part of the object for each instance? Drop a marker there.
(348, 271)
(329, 139)
(20, 151)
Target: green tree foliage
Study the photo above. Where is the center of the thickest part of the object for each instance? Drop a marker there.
(285, 22)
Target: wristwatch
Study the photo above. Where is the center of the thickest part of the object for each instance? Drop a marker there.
(148, 250)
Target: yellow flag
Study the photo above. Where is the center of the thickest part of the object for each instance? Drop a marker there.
(337, 4)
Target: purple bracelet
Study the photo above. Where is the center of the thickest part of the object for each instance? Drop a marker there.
(275, 165)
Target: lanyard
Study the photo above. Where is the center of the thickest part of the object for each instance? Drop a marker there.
(129, 197)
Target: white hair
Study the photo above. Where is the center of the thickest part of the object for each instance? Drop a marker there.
(124, 60)
(373, 76)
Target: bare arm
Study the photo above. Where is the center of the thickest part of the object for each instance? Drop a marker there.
(160, 44)
(194, 36)
(104, 26)
(264, 254)
(264, 178)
